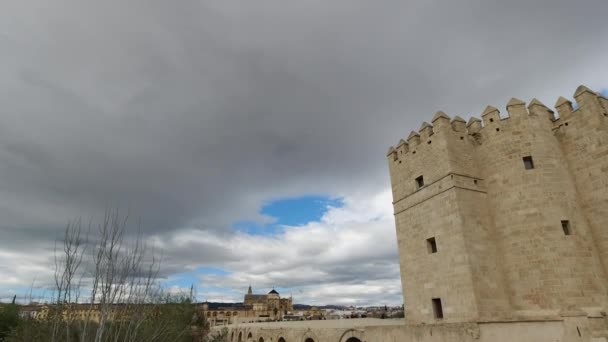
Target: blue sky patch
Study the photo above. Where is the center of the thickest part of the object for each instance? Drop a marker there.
(295, 211)
(38, 294)
(301, 210)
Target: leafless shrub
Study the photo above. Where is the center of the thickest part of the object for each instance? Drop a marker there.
(120, 275)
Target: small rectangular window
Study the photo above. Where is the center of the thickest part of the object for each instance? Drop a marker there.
(566, 227)
(437, 308)
(528, 163)
(431, 245)
(419, 182)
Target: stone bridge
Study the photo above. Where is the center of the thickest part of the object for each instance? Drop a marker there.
(395, 330)
(347, 330)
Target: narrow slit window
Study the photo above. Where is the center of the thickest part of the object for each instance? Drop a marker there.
(528, 163)
(437, 308)
(419, 182)
(431, 245)
(566, 227)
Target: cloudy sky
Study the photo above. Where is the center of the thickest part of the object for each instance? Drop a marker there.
(250, 136)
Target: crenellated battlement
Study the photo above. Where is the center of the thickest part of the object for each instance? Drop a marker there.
(478, 131)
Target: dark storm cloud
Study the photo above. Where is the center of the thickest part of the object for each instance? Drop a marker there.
(191, 113)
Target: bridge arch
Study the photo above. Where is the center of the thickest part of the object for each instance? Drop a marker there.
(352, 335)
(309, 336)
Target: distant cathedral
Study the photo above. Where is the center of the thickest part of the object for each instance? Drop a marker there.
(271, 302)
(255, 308)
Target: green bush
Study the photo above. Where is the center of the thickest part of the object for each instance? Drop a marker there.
(9, 319)
(167, 321)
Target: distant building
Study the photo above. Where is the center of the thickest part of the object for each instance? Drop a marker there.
(82, 312)
(255, 308)
(268, 302)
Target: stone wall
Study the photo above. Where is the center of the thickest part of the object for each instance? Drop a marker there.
(583, 139)
(502, 252)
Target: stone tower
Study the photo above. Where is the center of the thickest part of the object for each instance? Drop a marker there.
(505, 217)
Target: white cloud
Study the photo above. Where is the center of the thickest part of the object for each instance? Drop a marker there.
(28, 267)
(349, 256)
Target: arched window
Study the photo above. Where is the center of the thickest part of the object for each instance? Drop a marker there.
(309, 340)
(240, 336)
(261, 339)
(249, 336)
(353, 339)
(281, 339)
